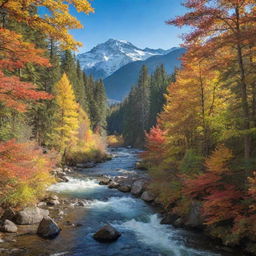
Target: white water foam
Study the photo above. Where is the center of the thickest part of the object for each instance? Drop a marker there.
(123, 205)
(159, 236)
(75, 185)
(123, 171)
(60, 254)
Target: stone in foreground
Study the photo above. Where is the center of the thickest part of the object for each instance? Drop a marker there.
(106, 234)
(147, 196)
(48, 228)
(9, 227)
(30, 215)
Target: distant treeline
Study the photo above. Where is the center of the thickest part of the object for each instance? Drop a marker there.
(139, 111)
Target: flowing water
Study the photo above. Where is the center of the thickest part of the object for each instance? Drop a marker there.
(139, 223)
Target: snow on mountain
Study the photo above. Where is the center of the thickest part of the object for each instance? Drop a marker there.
(104, 59)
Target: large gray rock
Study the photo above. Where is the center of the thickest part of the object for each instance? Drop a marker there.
(138, 187)
(148, 196)
(104, 180)
(113, 184)
(9, 227)
(106, 234)
(124, 188)
(194, 217)
(30, 215)
(48, 228)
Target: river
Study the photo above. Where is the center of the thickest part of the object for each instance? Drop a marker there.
(138, 222)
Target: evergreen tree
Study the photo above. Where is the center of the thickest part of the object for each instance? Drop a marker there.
(158, 84)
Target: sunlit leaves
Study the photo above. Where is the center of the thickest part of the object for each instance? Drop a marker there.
(55, 23)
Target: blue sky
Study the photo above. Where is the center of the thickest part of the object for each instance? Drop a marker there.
(142, 22)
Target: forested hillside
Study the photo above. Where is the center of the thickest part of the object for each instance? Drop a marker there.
(138, 112)
(51, 112)
(119, 84)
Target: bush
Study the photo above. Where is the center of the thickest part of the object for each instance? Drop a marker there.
(24, 172)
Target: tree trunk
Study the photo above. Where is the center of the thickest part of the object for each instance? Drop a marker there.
(243, 87)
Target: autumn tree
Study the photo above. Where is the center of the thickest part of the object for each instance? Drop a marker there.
(65, 120)
(226, 27)
(16, 54)
(24, 171)
(55, 25)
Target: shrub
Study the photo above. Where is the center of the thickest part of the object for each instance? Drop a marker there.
(24, 172)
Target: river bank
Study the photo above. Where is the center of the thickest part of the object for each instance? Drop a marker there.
(85, 206)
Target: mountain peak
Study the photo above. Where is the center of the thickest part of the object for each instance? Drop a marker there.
(105, 58)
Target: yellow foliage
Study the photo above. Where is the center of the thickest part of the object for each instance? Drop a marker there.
(89, 147)
(66, 116)
(115, 140)
(55, 23)
(217, 162)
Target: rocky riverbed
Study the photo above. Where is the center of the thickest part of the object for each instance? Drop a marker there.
(104, 209)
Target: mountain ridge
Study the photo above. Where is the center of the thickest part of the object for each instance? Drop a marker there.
(106, 58)
(119, 84)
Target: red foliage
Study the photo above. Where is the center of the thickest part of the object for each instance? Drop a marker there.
(15, 93)
(17, 160)
(154, 144)
(222, 204)
(221, 200)
(14, 54)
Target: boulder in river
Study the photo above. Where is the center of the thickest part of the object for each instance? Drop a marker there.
(148, 196)
(104, 180)
(53, 200)
(48, 228)
(124, 188)
(107, 234)
(30, 215)
(138, 187)
(113, 184)
(8, 226)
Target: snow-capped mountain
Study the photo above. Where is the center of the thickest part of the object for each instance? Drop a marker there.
(104, 59)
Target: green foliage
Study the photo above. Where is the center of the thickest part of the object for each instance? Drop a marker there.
(139, 111)
(192, 163)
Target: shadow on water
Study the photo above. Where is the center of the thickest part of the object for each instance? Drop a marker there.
(139, 223)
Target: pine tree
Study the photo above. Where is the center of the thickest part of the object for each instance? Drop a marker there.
(158, 84)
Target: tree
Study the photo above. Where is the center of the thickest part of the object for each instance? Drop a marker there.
(225, 26)
(55, 25)
(65, 120)
(158, 84)
(15, 54)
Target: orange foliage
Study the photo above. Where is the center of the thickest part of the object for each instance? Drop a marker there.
(14, 54)
(21, 163)
(154, 145)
